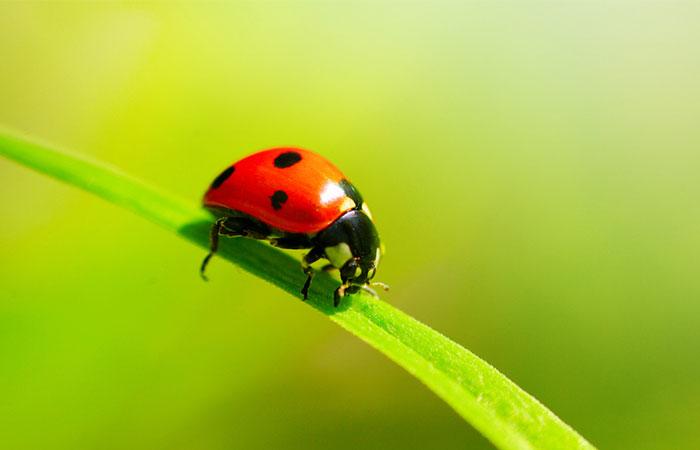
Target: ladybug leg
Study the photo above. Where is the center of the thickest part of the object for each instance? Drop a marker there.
(343, 290)
(338, 294)
(347, 272)
(214, 246)
(231, 226)
(347, 289)
(243, 226)
(292, 242)
(314, 255)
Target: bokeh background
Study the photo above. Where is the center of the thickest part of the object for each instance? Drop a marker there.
(533, 168)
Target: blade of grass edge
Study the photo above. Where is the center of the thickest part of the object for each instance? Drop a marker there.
(504, 413)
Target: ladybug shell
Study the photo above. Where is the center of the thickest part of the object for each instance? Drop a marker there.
(290, 189)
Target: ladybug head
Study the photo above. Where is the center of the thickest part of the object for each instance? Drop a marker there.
(352, 245)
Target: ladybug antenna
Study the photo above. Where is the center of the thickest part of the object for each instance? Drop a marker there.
(379, 284)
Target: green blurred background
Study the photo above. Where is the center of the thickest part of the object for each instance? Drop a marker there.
(533, 168)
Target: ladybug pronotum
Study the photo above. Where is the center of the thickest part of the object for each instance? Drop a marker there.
(296, 199)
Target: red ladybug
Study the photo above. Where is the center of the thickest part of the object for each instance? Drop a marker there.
(296, 199)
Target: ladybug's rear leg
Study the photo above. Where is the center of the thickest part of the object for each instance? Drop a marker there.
(314, 255)
(231, 226)
(214, 245)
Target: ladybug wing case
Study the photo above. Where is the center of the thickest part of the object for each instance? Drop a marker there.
(289, 189)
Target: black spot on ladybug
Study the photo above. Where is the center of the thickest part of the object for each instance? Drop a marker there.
(352, 192)
(287, 159)
(278, 199)
(223, 176)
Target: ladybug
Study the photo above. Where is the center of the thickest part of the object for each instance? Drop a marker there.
(296, 199)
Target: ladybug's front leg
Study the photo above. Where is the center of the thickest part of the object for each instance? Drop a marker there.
(314, 255)
(339, 293)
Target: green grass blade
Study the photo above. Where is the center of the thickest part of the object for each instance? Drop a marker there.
(494, 405)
